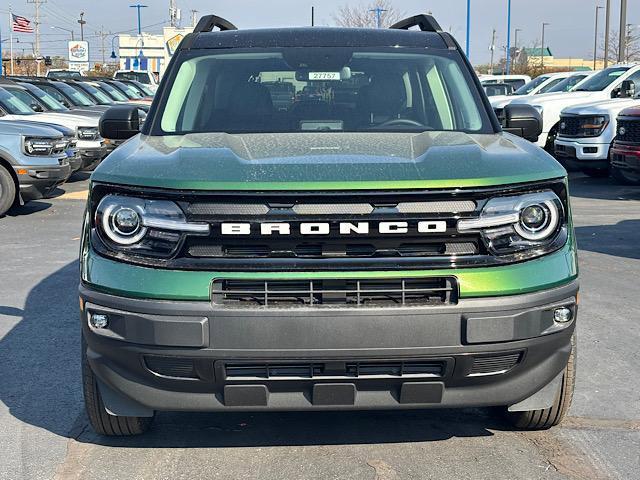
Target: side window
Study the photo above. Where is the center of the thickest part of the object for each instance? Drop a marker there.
(635, 78)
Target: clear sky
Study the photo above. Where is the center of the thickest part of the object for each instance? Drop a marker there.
(569, 35)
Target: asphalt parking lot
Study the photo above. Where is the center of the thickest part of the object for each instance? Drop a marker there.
(44, 432)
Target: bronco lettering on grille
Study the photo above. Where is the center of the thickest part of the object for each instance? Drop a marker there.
(324, 228)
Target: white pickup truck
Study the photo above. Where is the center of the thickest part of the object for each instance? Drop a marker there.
(604, 85)
(586, 133)
(540, 84)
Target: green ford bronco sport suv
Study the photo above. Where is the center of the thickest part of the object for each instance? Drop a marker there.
(322, 219)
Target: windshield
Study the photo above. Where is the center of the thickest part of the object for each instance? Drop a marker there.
(567, 84)
(549, 85)
(602, 80)
(25, 97)
(142, 77)
(13, 105)
(322, 89)
(129, 91)
(47, 100)
(100, 97)
(144, 89)
(78, 97)
(113, 92)
(527, 88)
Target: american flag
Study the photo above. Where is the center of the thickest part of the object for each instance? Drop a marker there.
(20, 24)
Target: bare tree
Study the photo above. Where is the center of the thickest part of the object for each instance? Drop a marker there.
(364, 15)
(631, 46)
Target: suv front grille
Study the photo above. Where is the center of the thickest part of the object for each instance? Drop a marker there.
(631, 129)
(335, 292)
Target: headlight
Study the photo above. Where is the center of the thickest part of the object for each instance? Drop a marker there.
(38, 146)
(519, 223)
(142, 226)
(88, 133)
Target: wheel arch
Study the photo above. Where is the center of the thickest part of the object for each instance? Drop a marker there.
(5, 163)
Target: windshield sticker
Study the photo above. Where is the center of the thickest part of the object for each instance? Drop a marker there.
(324, 76)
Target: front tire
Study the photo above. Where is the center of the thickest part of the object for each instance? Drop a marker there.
(552, 416)
(7, 191)
(101, 421)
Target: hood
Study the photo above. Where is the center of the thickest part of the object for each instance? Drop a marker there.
(326, 161)
(66, 131)
(606, 106)
(11, 127)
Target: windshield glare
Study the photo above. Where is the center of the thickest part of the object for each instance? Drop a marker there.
(13, 105)
(113, 92)
(527, 88)
(79, 98)
(322, 89)
(566, 84)
(101, 97)
(602, 80)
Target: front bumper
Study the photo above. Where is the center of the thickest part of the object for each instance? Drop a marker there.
(581, 154)
(194, 356)
(627, 158)
(39, 181)
(91, 152)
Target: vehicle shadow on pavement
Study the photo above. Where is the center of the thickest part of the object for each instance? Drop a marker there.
(620, 240)
(601, 188)
(28, 208)
(40, 372)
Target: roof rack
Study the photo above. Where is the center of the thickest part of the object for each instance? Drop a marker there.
(209, 22)
(426, 23)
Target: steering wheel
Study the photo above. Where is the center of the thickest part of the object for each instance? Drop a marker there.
(400, 121)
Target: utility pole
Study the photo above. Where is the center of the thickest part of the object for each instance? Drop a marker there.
(492, 47)
(623, 31)
(607, 18)
(544, 24)
(313, 16)
(138, 7)
(37, 32)
(103, 36)
(173, 13)
(627, 41)
(378, 11)
(194, 18)
(82, 23)
(508, 60)
(595, 39)
(515, 44)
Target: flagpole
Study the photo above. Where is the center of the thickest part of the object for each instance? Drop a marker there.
(11, 39)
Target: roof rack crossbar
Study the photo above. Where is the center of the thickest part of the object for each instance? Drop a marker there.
(426, 23)
(208, 22)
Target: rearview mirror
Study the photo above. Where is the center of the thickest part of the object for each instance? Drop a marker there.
(120, 122)
(522, 120)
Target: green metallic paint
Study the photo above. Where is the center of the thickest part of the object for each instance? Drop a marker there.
(326, 161)
(140, 282)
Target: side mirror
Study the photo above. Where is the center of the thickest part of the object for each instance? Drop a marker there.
(522, 120)
(120, 122)
(627, 89)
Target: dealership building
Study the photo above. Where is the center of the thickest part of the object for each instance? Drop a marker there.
(150, 52)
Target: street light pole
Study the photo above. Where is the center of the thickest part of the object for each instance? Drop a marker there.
(82, 23)
(595, 39)
(544, 24)
(138, 7)
(66, 30)
(508, 65)
(623, 31)
(607, 18)
(468, 26)
(515, 43)
(378, 11)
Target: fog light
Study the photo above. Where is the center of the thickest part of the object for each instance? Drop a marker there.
(98, 320)
(562, 315)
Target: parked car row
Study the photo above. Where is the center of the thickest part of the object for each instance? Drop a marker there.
(49, 130)
(580, 114)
